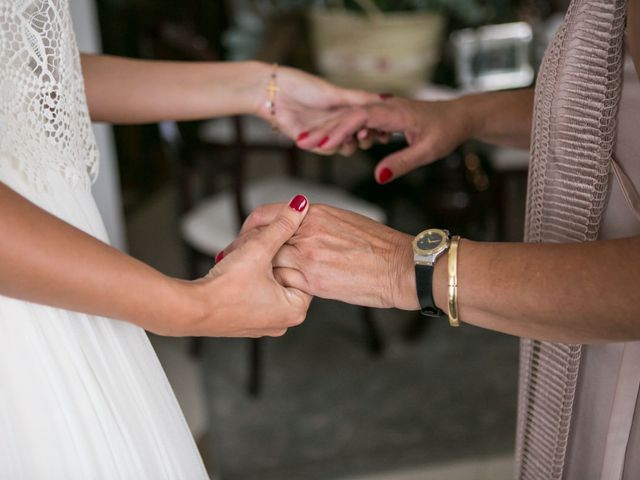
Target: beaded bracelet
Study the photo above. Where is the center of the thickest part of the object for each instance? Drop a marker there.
(272, 90)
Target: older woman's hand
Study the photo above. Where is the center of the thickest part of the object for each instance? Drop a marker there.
(343, 256)
(432, 129)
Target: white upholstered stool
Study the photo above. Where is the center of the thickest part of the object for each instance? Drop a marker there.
(212, 224)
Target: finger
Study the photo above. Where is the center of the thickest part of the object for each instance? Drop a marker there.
(324, 153)
(366, 142)
(333, 133)
(345, 127)
(301, 302)
(400, 163)
(275, 333)
(317, 137)
(291, 278)
(287, 257)
(261, 217)
(240, 240)
(348, 148)
(270, 239)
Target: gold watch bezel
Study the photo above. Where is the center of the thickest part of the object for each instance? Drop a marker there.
(441, 247)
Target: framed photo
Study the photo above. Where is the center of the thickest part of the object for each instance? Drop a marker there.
(494, 57)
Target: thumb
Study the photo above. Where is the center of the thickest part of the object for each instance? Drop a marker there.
(284, 225)
(400, 163)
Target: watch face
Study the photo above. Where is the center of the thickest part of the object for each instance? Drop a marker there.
(430, 241)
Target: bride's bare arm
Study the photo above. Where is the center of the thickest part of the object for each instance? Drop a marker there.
(128, 91)
(45, 260)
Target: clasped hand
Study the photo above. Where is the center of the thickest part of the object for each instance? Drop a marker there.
(339, 255)
(283, 257)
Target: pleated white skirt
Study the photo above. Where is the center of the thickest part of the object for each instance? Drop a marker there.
(83, 397)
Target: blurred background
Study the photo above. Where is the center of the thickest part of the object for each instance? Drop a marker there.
(353, 393)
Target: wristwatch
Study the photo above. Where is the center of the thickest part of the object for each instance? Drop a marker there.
(427, 247)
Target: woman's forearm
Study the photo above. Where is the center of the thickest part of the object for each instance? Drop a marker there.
(45, 260)
(500, 118)
(574, 293)
(126, 91)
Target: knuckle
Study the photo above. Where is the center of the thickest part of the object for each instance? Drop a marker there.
(286, 224)
(278, 333)
(296, 319)
(255, 216)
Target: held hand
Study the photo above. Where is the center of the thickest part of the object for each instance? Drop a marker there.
(343, 256)
(241, 297)
(304, 102)
(432, 129)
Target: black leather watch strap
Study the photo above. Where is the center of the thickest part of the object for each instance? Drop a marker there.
(424, 286)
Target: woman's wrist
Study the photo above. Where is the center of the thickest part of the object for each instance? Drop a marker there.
(233, 88)
(180, 307)
(469, 112)
(254, 77)
(403, 277)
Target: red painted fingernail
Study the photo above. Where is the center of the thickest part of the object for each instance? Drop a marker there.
(220, 256)
(323, 142)
(386, 96)
(385, 175)
(298, 203)
(302, 136)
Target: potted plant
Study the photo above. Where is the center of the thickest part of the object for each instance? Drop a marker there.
(379, 45)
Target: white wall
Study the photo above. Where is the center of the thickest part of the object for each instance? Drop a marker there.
(107, 188)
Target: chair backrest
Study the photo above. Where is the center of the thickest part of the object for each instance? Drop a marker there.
(178, 39)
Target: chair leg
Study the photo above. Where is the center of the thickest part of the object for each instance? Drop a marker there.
(372, 332)
(255, 367)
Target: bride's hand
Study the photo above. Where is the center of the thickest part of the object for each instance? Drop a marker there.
(305, 102)
(240, 296)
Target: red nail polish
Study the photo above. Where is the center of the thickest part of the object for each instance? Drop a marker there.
(298, 203)
(386, 96)
(323, 142)
(385, 175)
(303, 136)
(220, 256)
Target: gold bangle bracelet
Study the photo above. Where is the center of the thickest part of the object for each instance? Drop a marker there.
(452, 257)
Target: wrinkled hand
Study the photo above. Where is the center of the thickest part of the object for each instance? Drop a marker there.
(432, 129)
(343, 256)
(305, 102)
(253, 303)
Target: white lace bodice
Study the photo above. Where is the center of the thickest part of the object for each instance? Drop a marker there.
(44, 120)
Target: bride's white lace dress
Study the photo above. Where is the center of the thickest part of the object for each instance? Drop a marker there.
(81, 397)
